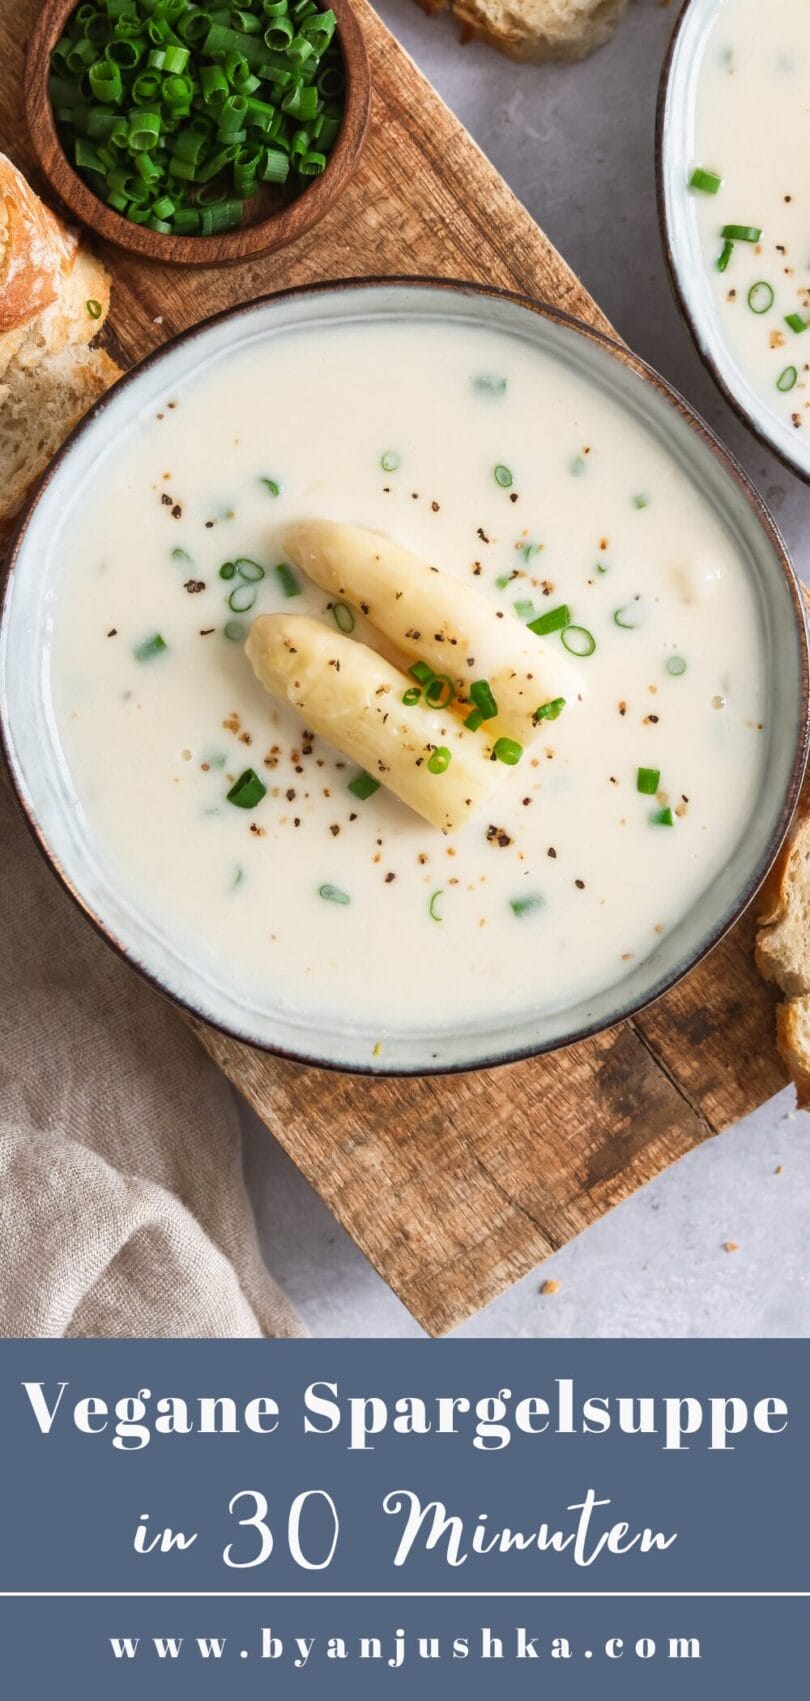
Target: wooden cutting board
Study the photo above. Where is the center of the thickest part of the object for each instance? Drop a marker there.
(455, 1188)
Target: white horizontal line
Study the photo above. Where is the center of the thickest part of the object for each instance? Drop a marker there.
(405, 1594)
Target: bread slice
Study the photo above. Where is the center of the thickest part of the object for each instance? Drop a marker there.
(537, 29)
(39, 406)
(783, 940)
(54, 296)
(793, 1042)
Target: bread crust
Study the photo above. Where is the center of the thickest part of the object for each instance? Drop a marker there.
(536, 29)
(37, 251)
(793, 1045)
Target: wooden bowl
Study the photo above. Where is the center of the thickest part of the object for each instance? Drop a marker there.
(268, 231)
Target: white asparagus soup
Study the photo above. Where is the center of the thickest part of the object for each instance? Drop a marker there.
(751, 182)
(560, 816)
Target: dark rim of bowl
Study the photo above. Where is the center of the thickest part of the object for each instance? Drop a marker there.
(689, 319)
(712, 443)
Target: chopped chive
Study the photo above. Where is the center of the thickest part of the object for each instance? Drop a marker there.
(390, 460)
(343, 617)
(787, 379)
(740, 233)
(676, 666)
(247, 791)
(523, 609)
(474, 720)
(234, 630)
(434, 898)
(578, 641)
(622, 616)
(550, 711)
(641, 501)
(482, 697)
(150, 647)
(648, 780)
(488, 385)
(577, 466)
(252, 571)
(795, 322)
(503, 580)
(238, 877)
(411, 696)
(662, 818)
(707, 181)
(287, 580)
(241, 599)
(421, 672)
(553, 621)
(272, 485)
(724, 256)
(180, 554)
(439, 760)
(363, 786)
(507, 750)
(530, 549)
(760, 297)
(439, 691)
(601, 566)
(227, 570)
(333, 895)
(94, 308)
(502, 476)
(524, 906)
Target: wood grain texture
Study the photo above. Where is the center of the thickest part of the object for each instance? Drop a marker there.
(273, 224)
(455, 1188)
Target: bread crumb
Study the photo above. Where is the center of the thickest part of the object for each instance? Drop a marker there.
(730, 1246)
(548, 1287)
(778, 1170)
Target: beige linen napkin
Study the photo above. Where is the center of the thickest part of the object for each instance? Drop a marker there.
(122, 1205)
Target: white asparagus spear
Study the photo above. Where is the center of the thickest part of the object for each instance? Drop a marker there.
(353, 697)
(428, 614)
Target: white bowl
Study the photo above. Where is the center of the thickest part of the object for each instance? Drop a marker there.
(686, 262)
(43, 783)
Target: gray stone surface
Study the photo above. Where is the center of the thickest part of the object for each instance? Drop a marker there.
(576, 145)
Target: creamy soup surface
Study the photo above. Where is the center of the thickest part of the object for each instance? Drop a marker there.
(568, 875)
(751, 127)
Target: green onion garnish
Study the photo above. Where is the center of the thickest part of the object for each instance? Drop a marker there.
(553, 621)
(641, 501)
(179, 554)
(662, 818)
(795, 322)
(760, 297)
(251, 571)
(623, 616)
(550, 711)
(272, 485)
(503, 580)
(740, 233)
(577, 466)
(247, 791)
(724, 256)
(507, 750)
(363, 786)
(439, 691)
(287, 580)
(524, 906)
(676, 665)
(439, 760)
(481, 696)
(389, 461)
(241, 599)
(177, 115)
(708, 181)
(94, 308)
(150, 647)
(434, 898)
(411, 696)
(502, 476)
(343, 617)
(578, 641)
(787, 379)
(333, 895)
(474, 720)
(235, 630)
(647, 781)
(523, 609)
(487, 385)
(228, 570)
(421, 672)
